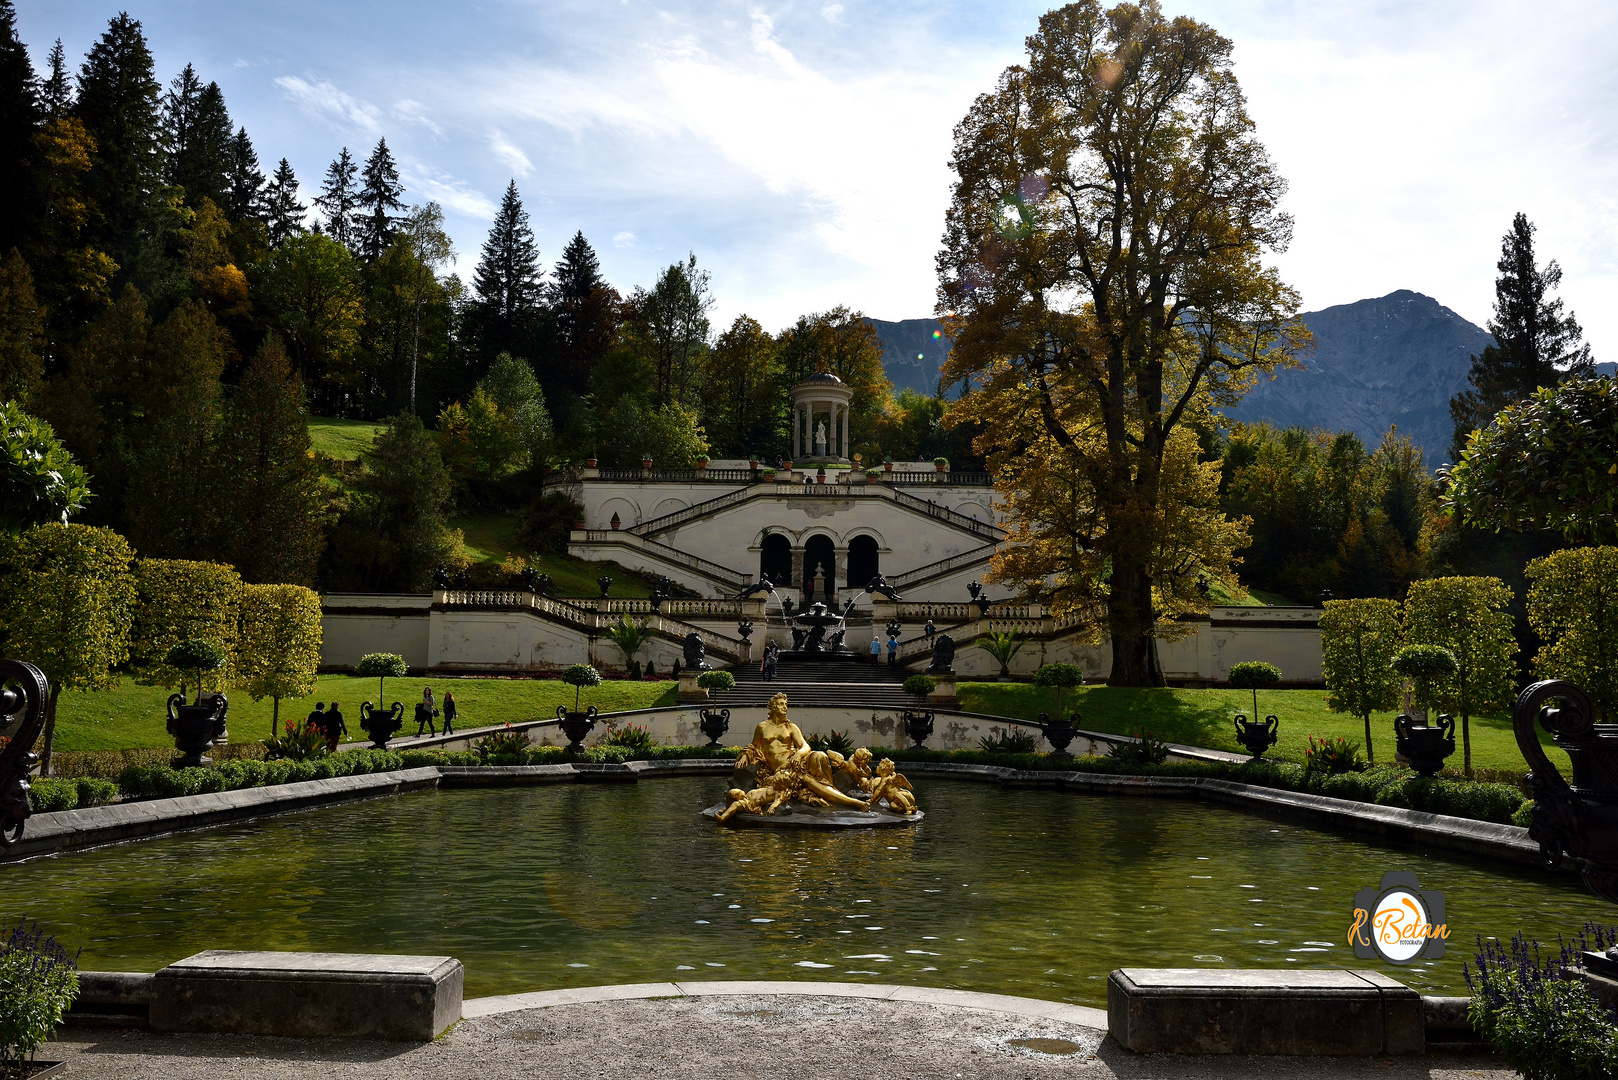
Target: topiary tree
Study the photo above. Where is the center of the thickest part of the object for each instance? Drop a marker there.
(1357, 641)
(716, 681)
(629, 635)
(182, 599)
(67, 602)
(1252, 675)
(1427, 666)
(919, 686)
(1467, 616)
(1061, 676)
(196, 655)
(278, 645)
(1002, 647)
(1573, 607)
(380, 665)
(39, 481)
(579, 676)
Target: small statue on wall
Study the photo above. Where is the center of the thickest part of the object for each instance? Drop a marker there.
(943, 655)
(695, 653)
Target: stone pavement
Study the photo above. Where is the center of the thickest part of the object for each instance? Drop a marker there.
(720, 1036)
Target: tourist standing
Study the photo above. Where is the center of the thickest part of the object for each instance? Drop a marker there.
(930, 629)
(317, 719)
(893, 652)
(449, 711)
(335, 727)
(772, 655)
(876, 651)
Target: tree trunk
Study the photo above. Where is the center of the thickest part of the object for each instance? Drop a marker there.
(1130, 624)
(1466, 742)
(275, 717)
(1370, 755)
(50, 730)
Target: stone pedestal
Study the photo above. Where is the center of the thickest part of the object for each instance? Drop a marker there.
(299, 995)
(1252, 1011)
(689, 690)
(944, 692)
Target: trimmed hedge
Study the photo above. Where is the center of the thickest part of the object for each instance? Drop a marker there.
(60, 793)
(162, 782)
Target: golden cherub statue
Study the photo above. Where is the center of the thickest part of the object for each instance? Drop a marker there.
(891, 787)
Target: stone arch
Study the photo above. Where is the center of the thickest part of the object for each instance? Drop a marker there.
(669, 506)
(775, 558)
(864, 560)
(628, 513)
(976, 510)
(819, 557)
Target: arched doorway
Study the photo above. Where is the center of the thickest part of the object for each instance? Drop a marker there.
(819, 557)
(775, 559)
(862, 561)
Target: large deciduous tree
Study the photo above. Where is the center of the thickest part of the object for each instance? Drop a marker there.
(39, 480)
(312, 292)
(278, 647)
(670, 329)
(1357, 641)
(1103, 256)
(1535, 344)
(745, 399)
(1467, 616)
(1573, 607)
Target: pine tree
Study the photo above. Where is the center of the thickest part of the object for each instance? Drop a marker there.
(283, 213)
(1535, 345)
(585, 311)
(197, 139)
(119, 102)
(507, 283)
(19, 115)
(56, 92)
(379, 200)
(244, 200)
(338, 200)
(268, 476)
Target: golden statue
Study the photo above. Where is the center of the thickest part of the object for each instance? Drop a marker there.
(786, 770)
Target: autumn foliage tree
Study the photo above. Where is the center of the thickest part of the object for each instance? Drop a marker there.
(1467, 616)
(1357, 641)
(278, 646)
(1102, 261)
(1573, 607)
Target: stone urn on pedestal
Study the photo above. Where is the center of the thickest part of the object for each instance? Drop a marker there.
(919, 722)
(1256, 736)
(577, 724)
(381, 721)
(199, 726)
(1061, 678)
(1424, 746)
(715, 722)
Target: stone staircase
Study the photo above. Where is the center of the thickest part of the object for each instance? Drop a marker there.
(823, 679)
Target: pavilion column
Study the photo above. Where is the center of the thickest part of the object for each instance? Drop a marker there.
(848, 448)
(797, 569)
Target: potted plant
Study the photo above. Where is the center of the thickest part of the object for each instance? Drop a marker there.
(574, 723)
(646, 463)
(918, 723)
(1002, 647)
(752, 463)
(615, 521)
(197, 726)
(589, 463)
(715, 722)
(941, 464)
(768, 474)
(1257, 736)
(1426, 666)
(38, 981)
(887, 464)
(873, 476)
(787, 465)
(702, 463)
(580, 524)
(379, 721)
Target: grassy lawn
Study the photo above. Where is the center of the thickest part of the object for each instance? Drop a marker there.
(1260, 597)
(1204, 718)
(341, 438)
(492, 538)
(133, 716)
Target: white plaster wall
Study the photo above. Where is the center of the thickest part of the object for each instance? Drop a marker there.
(346, 638)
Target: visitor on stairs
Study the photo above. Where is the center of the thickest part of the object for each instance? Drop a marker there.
(893, 652)
(449, 712)
(772, 654)
(876, 651)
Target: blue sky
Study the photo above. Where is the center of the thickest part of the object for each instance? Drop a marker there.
(800, 149)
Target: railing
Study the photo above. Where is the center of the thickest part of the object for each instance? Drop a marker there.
(707, 609)
(507, 598)
(696, 510)
(563, 611)
(668, 554)
(942, 566)
(950, 479)
(745, 476)
(714, 643)
(944, 513)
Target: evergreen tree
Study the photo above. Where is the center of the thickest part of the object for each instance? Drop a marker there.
(507, 283)
(379, 200)
(19, 115)
(283, 213)
(268, 476)
(1535, 345)
(22, 330)
(246, 181)
(56, 92)
(197, 139)
(585, 311)
(119, 102)
(338, 200)
(394, 532)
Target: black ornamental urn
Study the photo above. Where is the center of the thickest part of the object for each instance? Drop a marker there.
(1059, 732)
(381, 724)
(1257, 737)
(918, 725)
(715, 722)
(196, 727)
(575, 725)
(1424, 746)
(1577, 818)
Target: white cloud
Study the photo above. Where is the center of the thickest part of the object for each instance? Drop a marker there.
(508, 152)
(623, 239)
(832, 13)
(448, 191)
(411, 113)
(324, 100)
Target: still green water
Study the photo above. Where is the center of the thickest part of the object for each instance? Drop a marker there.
(1038, 893)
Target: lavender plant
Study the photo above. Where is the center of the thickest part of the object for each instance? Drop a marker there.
(1545, 1021)
(38, 981)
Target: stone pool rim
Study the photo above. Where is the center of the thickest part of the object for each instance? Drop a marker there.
(65, 831)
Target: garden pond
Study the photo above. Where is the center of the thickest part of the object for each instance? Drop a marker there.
(1031, 892)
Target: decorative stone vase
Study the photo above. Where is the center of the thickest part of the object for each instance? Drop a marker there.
(381, 724)
(715, 722)
(615, 522)
(581, 524)
(918, 725)
(646, 463)
(941, 466)
(1059, 732)
(589, 463)
(1578, 819)
(196, 727)
(1424, 746)
(1257, 737)
(576, 725)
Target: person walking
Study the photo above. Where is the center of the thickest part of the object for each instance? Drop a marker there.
(772, 655)
(424, 714)
(930, 629)
(893, 651)
(449, 712)
(335, 727)
(876, 651)
(317, 719)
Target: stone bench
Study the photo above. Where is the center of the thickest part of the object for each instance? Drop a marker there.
(1247, 1011)
(348, 995)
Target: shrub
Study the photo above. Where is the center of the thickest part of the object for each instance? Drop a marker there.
(716, 681)
(47, 794)
(634, 669)
(38, 981)
(1545, 1022)
(1332, 756)
(1146, 749)
(834, 741)
(380, 666)
(1254, 675)
(607, 754)
(579, 676)
(507, 743)
(919, 686)
(639, 739)
(300, 741)
(1428, 666)
(417, 759)
(95, 791)
(1573, 607)
(1014, 741)
(1062, 677)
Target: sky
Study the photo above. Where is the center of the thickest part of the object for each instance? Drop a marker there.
(800, 150)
